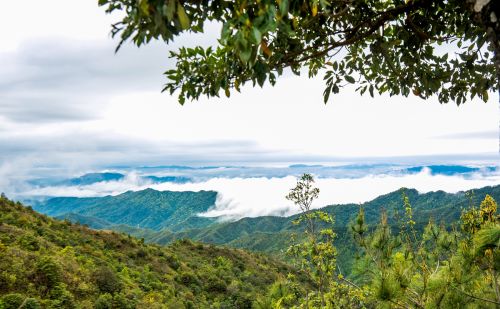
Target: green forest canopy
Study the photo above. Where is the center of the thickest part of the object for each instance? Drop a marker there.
(400, 47)
(48, 263)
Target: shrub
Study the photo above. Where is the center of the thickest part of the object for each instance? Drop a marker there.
(106, 280)
(47, 273)
(175, 304)
(31, 303)
(15, 301)
(186, 278)
(29, 242)
(173, 261)
(215, 285)
(61, 297)
(141, 253)
(105, 301)
(12, 301)
(120, 301)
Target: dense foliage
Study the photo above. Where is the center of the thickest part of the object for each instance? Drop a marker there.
(401, 267)
(381, 46)
(438, 268)
(47, 263)
(273, 234)
(149, 209)
(411, 258)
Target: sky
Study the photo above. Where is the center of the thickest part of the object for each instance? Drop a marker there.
(68, 104)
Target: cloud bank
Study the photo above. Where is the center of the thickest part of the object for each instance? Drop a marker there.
(260, 196)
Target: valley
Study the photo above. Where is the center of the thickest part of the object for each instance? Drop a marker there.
(163, 217)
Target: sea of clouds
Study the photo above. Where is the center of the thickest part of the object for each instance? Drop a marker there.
(259, 196)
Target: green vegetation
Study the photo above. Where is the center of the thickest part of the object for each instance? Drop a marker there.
(149, 209)
(273, 234)
(380, 46)
(47, 263)
(316, 253)
(438, 268)
(399, 267)
(384, 255)
(266, 234)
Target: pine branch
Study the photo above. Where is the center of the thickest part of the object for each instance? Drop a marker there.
(476, 297)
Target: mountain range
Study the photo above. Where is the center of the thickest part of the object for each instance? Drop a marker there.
(185, 174)
(92, 178)
(165, 216)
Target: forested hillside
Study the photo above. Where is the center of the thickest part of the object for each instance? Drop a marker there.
(274, 234)
(391, 263)
(163, 217)
(47, 263)
(149, 209)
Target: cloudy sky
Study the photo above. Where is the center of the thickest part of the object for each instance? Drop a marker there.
(68, 103)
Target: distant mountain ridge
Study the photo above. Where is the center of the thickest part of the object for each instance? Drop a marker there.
(439, 205)
(178, 212)
(92, 178)
(449, 170)
(185, 174)
(274, 234)
(149, 209)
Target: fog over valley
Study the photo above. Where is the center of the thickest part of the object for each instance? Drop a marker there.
(260, 191)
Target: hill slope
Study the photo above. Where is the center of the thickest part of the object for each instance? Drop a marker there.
(263, 234)
(57, 264)
(148, 208)
(273, 234)
(439, 205)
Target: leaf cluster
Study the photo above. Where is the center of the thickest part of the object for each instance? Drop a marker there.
(417, 47)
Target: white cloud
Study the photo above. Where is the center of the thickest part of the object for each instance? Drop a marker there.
(66, 100)
(251, 197)
(291, 118)
(25, 20)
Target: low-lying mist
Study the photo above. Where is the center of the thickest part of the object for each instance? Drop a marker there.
(259, 196)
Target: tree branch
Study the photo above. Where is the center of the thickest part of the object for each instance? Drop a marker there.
(476, 297)
(354, 37)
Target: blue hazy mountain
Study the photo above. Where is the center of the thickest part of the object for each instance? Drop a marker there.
(450, 170)
(186, 174)
(358, 170)
(160, 179)
(86, 179)
(92, 178)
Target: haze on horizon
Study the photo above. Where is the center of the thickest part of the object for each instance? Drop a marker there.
(69, 105)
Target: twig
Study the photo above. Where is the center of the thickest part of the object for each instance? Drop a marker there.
(476, 297)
